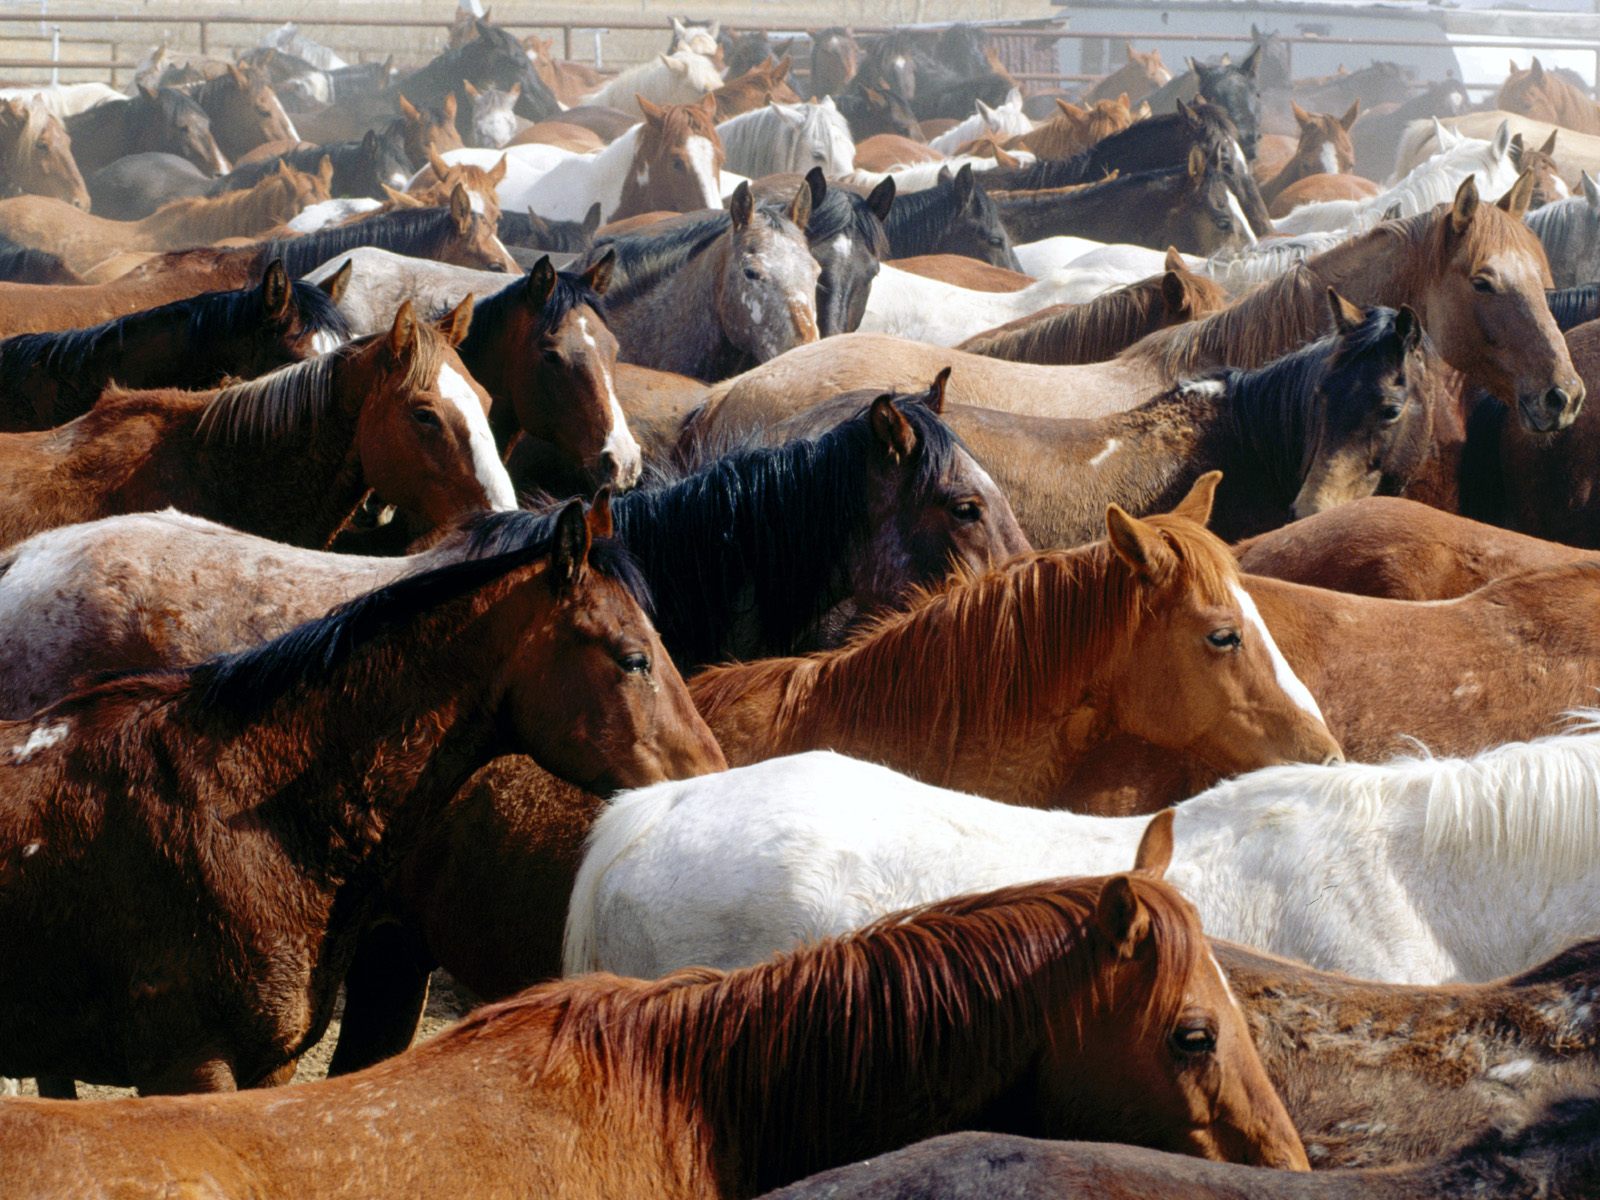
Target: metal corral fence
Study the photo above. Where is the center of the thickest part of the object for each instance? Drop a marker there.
(1029, 51)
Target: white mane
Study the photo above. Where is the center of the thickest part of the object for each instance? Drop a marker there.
(789, 137)
(681, 77)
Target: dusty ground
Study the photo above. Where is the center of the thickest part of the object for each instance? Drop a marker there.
(447, 1000)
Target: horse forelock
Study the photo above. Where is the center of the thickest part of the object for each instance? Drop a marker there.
(571, 293)
(832, 1050)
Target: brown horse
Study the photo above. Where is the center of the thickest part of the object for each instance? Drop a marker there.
(427, 132)
(36, 155)
(1399, 549)
(84, 240)
(431, 188)
(1074, 1007)
(767, 83)
(243, 109)
(1548, 479)
(663, 173)
(562, 134)
(1544, 96)
(1142, 74)
(1313, 188)
(289, 455)
(886, 151)
(1074, 129)
(1148, 633)
(835, 59)
(965, 272)
(298, 769)
(1324, 148)
(1106, 325)
(570, 81)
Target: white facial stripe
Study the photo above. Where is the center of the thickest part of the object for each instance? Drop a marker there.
(486, 464)
(1243, 223)
(287, 120)
(1287, 679)
(702, 160)
(1330, 159)
(620, 442)
(475, 202)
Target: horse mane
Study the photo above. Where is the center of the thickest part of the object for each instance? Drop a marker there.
(556, 237)
(813, 1058)
(37, 119)
(920, 218)
(20, 263)
(1043, 625)
(644, 258)
(245, 684)
(571, 291)
(1289, 310)
(1084, 167)
(413, 231)
(1573, 305)
(208, 318)
(709, 536)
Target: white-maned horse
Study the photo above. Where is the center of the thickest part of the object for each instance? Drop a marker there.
(336, 212)
(1431, 183)
(781, 138)
(63, 100)
(1419, 871)
(919, 177)
(681, 77)
(1004, 121)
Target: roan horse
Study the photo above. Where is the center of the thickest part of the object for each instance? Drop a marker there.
(337, 750)
(1077, 1007)
(36, 155)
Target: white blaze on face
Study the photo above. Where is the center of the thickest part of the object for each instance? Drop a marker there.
(486, 464)
(288, 122)
(1287, 679)
(703, 162)
(1240, 219)
(620, 442)
(1330, 159)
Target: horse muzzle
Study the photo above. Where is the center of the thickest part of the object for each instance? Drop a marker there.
(1553, 410)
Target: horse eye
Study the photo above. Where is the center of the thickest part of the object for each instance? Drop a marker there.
(966, 511)
(1482, 284)
(425, 417)
(1194, 1039)
(1390, 413)
(1226, 638)
(997, 241)
(634, 664)
(677, 165)
(752, 273)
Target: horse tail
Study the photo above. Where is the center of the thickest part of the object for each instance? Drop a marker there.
(628, 821)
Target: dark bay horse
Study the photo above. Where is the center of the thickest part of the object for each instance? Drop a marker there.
(361, 167)
(153, 119)
(955, 216)
(47, 379)
(302, 766)
(1073, 1007)
(1232, 87)
(289, 455)
(243, 110)
(493, 58)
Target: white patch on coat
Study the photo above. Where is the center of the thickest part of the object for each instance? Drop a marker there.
(1111, 448)
(642, 175)
(1506, 1072)
(41, 738)
(1328, 157)
(620, 442)
(398, 181)
(1287, 679)
(703, 162)
(486, 464)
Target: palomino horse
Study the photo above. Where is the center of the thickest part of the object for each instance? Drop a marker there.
(1324, 148)
(243, 110)
(1545, 96)
(1142, 74)
(1073, 1007)
(1075, 655)
(36, 154)
(747, 297)
(542, 651)
(1468, 271)
(47, 379)
(154, 119)
(85, 240)
(289, 455)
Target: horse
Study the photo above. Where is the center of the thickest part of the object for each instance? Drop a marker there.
(1002, 121)
(37, 154)
(64, 100)
(745, 297)
(697, 37)
(569, 82)
(1547, 480)
(1548, 186)
(488, 115)
(1105, 326)
(153, 119)
(493, 58)
(745, 52)
(764, 82)
(872, 110)
(990, 1011)
(1324, 148)
(668, 80)
(289, 455)
(1545, 96)
(556, 616)
(1378, 131)
(783, 138)
(529, 231)
(1073, 129)
(1049, 687)
(47, 379)
(955, 216)
(1315, 189)
(1400, 550)
(835, 58)
(23, 264)
(1233, 87)
(243, 110)
(135, 185)
(1141, 75)
(360, 168)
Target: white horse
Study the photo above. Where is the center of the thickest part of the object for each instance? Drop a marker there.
(695, 36)
(1417, 871)
(64, 100)
(290, 40)
(335, 212)
(1006, 120)
(789, 137)
(1431, 183)
(681, 77)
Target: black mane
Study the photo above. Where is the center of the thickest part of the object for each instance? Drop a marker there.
(413, 231)
(571, 291)
(24, 264)
(1573, 306)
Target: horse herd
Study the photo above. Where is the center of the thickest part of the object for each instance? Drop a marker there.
(862, 571)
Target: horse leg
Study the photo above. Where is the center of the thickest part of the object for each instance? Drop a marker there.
(385, 991)
(58, 1087)
(279, 1077)
(179, 1079)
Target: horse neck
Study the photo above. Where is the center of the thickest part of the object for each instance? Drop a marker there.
(676, 325)
(211, 218)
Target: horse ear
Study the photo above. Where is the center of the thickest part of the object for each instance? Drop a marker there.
(678, 30)
(1346, 316)
(1409, 327)
(708, 105)
(240, 79)
(334, 285)
(1067, 109)
(591, 220)
(818, 183)
(936, 390)
(985, 112)
(458, 320)
(541, 281)
(1465, 206)
(598, 518)
(1122, 917)
(1502, 139)
(440, 167)
(369, 143)
(800, 207)
(460, 208)
(652, 112)
(598, 276)
(1002, 159)
(1174, 261)
(881, 198)
(1197, 162)
(275, 290)
(569, 547)
(403, 333)
(1173, 297)
(714, 29)
(1549, 147)
(1301, 116)
(325, 172)
(450, 109)
(966, 185)
(1252, 61)
(497, 173)
(147, 91)
(1536, 69)
(1139, 546)
(1350, 115)
(1511, 66)
(741, 207)
(1197, 505)
(1154, 854)
(470, 90)
(1519, 198)
(515, 90)
(892, 429)
(781, 70)
(1591, 189)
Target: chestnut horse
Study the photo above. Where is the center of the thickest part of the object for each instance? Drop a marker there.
(1147, 634)
(1544, 96)
(47, 379)
(1142, 74)
(36, 155)
(764, 84)
(243, 110)
(1074, 1007)
(1324, 148)
(1074, 129)
(289, 455)
(251, 802)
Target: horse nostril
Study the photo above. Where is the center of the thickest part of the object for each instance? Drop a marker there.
(1556, 401)
(609, 470)
(1333, 759)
